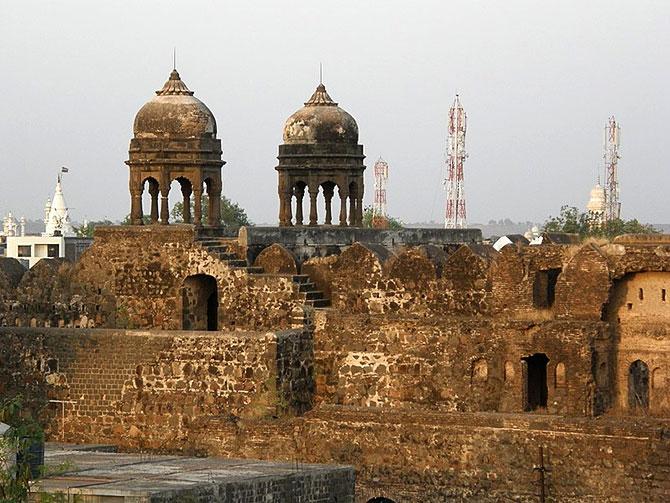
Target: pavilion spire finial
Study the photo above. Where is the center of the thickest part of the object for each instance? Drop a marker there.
(174, 86)
(320, 74)
(174, 58)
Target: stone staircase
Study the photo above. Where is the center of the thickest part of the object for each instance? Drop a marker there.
(307, 288)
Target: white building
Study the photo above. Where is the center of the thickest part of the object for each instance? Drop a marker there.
(597, 205)
(31, 249)
(51, 244)
(10, 226)
(56, 215)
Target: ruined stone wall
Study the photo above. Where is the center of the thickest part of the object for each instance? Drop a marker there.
(141, 270)
(421, 456)
(450, 363)
(150, 386)
(638, 313)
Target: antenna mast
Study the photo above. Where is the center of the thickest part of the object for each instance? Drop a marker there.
(381, 171)
(611, 157)
(455, 214)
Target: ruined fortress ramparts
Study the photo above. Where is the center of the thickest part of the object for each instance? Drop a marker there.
(438, 370)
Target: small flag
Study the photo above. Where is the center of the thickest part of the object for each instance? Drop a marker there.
(64, 170)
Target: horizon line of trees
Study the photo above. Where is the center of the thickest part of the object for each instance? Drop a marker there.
(570, 220)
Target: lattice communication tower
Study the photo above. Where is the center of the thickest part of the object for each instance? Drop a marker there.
(455, 214)
(381, 171)
(611, 157)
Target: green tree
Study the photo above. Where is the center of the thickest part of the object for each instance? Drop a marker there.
(570, 220)
(24, 433)
(146, 220)
(233, 215)
(394, 223)
(86, 231)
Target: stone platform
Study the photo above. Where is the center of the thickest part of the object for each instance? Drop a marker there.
(95, 476)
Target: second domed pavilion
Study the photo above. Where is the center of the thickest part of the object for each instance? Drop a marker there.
(175, 139)
(320, 153)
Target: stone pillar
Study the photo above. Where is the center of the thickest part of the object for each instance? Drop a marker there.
(186, 193)
(153, 191)
(313, 215)
(343, 207)
(328, 196)
(136, 206)
(215, 208)
(197, 205)
(285, 208)
(299, 194)
(165, 209)
(359, 210)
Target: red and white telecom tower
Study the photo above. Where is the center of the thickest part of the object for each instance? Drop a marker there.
(611, 157)
(381, 171)
(455, 214)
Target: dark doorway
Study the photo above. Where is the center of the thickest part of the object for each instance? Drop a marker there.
(212, 311)
(536, 381)
(638, 385)
(380, 500)
(200, 303)
(544, 288)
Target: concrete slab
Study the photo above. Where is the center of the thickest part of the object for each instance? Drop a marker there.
(95, 476)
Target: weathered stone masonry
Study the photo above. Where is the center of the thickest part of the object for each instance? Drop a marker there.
(420, 374)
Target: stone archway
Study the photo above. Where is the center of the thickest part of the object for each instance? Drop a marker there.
(200, 303)
(380, 499)
(638, 385)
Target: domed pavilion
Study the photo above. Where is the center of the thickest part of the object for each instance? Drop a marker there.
(175, 139)
(320, 153)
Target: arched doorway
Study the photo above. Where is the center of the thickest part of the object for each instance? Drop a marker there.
(380, 499)
(200, 303)
(638, 385)
(535, 382)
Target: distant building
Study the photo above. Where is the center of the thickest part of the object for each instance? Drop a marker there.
(56, 215)
(596, 207)
(57, 241)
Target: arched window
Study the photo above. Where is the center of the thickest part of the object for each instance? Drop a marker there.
(509, 371)
(638, 385)
(657, 378)
(480, 371)
(559, 375)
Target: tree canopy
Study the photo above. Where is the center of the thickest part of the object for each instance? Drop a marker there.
(571, 220)
(232, 214)
(394, 223)
(86, 230)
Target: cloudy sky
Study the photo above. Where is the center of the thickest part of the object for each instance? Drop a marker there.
(538, 80)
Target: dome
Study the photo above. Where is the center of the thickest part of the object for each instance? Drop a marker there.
(596, 202)
(174, 112)
(320, 121)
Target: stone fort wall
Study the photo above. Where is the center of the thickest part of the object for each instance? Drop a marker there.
(420, 367)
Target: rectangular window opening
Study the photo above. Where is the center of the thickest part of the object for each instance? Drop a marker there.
(544, 288)
(663, 294)
(641, 294)
(24, 250)
(630, 306)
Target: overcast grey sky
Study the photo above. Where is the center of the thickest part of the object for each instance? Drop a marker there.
(538, 80)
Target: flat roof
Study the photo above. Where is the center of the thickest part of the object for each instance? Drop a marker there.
(143, 477)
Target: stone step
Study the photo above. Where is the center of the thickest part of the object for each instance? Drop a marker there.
(318, 303)
(314, 295)
(236, 263)
(301, 278)
(226, 256)
(307, 287)
(254, 270)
